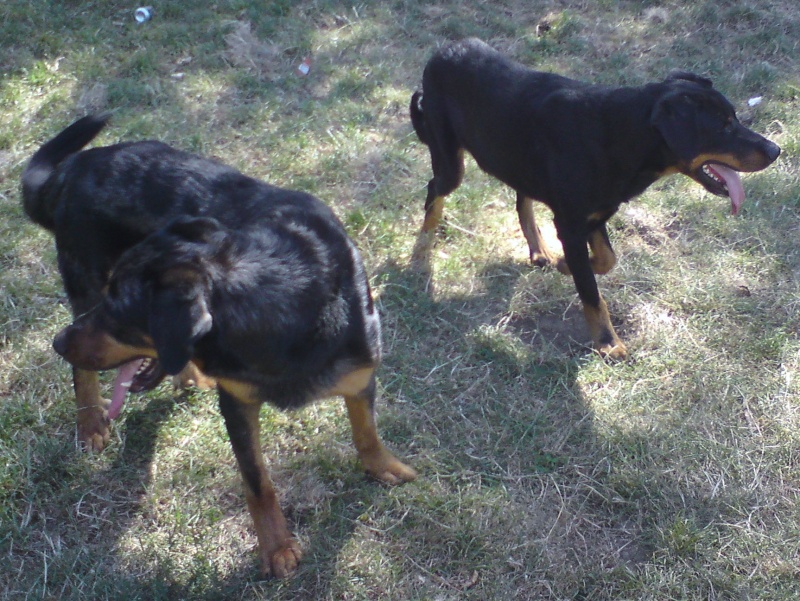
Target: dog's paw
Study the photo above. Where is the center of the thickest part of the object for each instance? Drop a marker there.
(388, 469)
(397, 474)
(93, 432)
(282, 562)
(192, 377)
(613, 352)
(542, 260)
(563, 268)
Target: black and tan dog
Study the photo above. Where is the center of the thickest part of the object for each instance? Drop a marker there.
(579, 148)
(99, 203)
(264, 292)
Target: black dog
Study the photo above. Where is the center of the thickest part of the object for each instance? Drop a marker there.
(269, 297)
(99, 203)
(581, 149)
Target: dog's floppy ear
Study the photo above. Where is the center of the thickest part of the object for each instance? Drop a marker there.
(674, 117)
(178, 318)
(688, 76)
(178, 314)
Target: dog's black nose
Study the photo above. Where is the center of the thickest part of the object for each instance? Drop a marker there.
(773, 151)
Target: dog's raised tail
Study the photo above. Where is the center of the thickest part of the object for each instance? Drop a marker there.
(417, 116)
(45, 160)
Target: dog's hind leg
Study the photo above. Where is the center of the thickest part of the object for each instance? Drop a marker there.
(279, 551)
(603, 258)
(376, 459)
(447, 161)
(540, 255)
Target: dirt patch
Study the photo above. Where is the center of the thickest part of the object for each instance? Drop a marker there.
(565, 334)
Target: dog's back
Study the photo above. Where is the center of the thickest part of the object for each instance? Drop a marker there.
(111, 197)
(475, 98)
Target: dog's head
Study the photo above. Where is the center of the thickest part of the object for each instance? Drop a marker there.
(710, 145)
(155, 304)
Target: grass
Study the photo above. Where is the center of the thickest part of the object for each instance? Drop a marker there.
(545, 472)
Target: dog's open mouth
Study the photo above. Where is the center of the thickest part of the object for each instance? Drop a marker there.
(722, 180)
(138, 375)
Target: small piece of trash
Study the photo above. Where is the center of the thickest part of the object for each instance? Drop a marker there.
(754, 101)
(304, 67)
(143, 13)
(178, 76)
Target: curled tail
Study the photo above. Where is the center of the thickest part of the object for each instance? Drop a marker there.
(417, 116)
(45, 160)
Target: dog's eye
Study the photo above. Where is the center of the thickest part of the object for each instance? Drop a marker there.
(729, 126)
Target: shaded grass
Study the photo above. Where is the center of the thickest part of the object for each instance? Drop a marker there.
(545, 472)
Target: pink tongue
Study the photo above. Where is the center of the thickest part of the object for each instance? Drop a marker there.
(122, 383)
(734, 184)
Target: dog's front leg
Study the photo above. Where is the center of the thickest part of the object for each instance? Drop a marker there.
(92, 416)
(278, 550)
(83, 288)
(603, 258)
(576, 254)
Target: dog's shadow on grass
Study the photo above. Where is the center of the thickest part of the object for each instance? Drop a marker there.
(422, 332)
(532, 416)
(141, 431)
(556, 328)
(97, 499)
(324, 529)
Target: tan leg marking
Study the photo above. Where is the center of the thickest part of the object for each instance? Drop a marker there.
(603, 258)
(353, 383)
(279, 552)
(421, 255)
(243, 392)
(539, 252)
(191, 376)
(92, 418)
(606, 341)
(377, 461)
